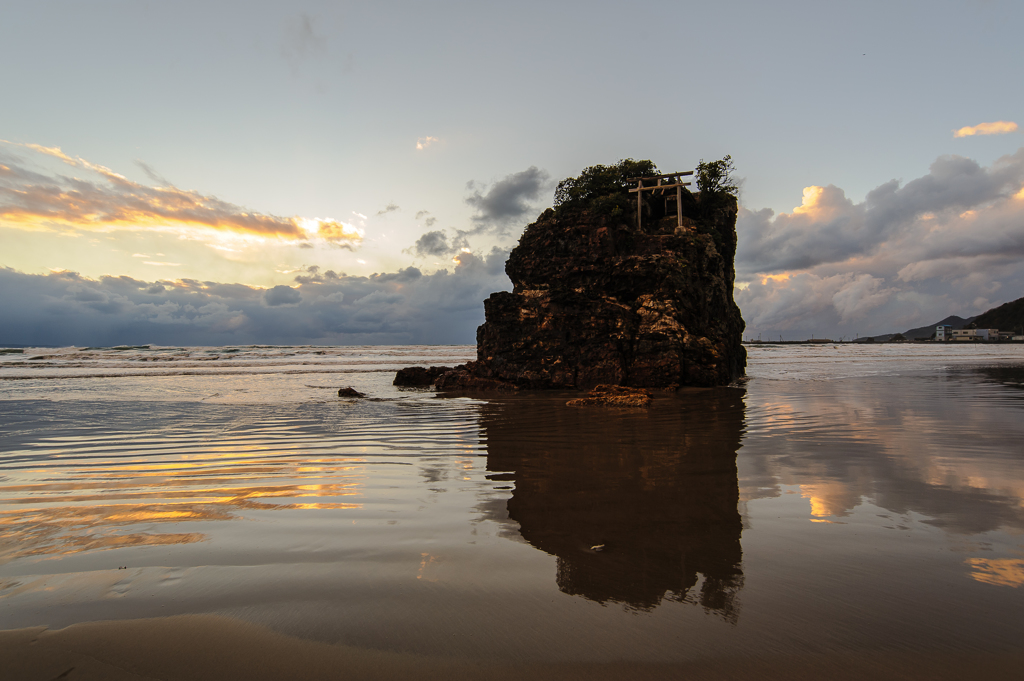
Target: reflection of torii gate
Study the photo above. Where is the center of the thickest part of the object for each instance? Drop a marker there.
(678, 184)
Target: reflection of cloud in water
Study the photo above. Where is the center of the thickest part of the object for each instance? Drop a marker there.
(943, 444)
(830, 499)
(998, 571)
(637, 506)
(57, 519)
(84, 475)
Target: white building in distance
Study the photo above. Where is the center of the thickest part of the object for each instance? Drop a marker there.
(974, 334)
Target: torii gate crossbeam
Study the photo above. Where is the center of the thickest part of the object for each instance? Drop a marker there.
(679, 184)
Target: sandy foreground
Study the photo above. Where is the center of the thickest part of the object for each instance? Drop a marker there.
(201, 647)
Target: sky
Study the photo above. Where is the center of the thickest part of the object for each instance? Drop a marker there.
(350, 173)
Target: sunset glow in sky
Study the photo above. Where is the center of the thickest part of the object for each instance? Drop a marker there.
(330, 172)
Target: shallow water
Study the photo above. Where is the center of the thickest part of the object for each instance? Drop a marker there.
(845, 499)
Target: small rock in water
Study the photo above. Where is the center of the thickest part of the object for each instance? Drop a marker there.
(614, 396)
(349, 392)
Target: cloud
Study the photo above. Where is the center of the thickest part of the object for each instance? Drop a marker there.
(949, 242)
(424, 142)
(432, 243)
(429, 221)
(152, 174)
(859, 295)
(50, 151)
(508, 200)
(994, 128)
(106, 200)
(322, 307)
(338, 233)
(828, 228)
(282, 295)
(390, 208)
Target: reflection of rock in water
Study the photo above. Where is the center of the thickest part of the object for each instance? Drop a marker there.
(1009, 376)
(657, 489)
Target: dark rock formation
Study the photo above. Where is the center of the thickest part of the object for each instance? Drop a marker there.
(614, 396)
(349, 392)
(473, 376)
(596, 300)
(419, 376)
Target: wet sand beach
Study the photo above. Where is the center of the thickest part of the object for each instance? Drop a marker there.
(850, 512)
(203, 647)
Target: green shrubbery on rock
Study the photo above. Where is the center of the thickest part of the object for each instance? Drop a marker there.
(602, 190)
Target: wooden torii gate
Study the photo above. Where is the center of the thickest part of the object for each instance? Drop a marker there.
(678, 184)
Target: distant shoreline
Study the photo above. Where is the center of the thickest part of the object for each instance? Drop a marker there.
(861, 342)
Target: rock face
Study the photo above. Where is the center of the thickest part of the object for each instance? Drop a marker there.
(614, 396)
(596, 300)
(419, 376)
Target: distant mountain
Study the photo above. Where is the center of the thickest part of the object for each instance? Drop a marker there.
(927, 331)
(1006, 317)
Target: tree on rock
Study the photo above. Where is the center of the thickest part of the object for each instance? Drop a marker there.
(601, 189)
(715, 177)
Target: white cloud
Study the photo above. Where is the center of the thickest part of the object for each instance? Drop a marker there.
(909, 254)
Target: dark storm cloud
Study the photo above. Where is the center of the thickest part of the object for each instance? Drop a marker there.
(508, 200)
(407, 306)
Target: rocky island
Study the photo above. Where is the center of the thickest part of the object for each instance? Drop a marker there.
(627, 281)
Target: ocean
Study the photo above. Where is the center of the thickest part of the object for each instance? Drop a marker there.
(846, 509)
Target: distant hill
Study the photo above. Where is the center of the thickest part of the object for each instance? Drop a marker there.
(1006, 317)
(927, 331)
